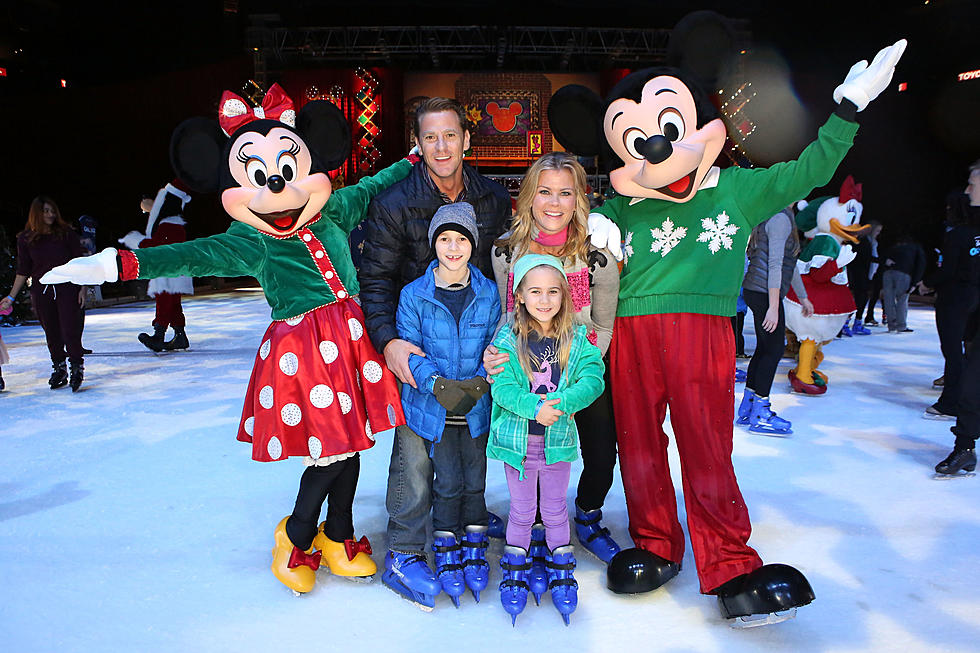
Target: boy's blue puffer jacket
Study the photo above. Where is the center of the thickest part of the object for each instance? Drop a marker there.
(449, 352)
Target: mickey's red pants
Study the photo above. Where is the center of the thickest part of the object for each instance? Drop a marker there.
(169, 310)
(686, 361)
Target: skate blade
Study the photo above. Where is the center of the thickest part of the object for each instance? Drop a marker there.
(939, 418)
(363, 580)
(360, 580)
(420, 606)
(946, 477)
(772, 434)
(756, 620)
(593, 554)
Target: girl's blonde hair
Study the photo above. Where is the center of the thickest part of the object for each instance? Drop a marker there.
(577, 243)
(562, 325)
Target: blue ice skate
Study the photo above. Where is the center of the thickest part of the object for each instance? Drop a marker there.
(561, 580)
(449, 564)
(515, 564)
(496, 529)
(409, 575)
(740, 375)
(476, 569)
(594, 536)
(762, 419)
(537, 577)
(745, 408)
(859, 329)
(846, 329)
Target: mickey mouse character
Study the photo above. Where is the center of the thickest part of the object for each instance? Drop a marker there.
(686, 226)
(318, 388)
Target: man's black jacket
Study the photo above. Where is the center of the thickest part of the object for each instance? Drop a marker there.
(396, 244)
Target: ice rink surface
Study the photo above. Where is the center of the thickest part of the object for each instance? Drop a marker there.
(132, 520)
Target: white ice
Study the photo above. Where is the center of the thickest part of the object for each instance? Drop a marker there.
(132, 520)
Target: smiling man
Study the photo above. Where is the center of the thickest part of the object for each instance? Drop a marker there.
(396, 252)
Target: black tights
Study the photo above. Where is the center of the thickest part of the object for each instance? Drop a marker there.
(597, 438)
(339, 481)
(768, 346)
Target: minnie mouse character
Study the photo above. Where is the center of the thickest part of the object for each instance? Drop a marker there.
(686, 225)
(318, 388)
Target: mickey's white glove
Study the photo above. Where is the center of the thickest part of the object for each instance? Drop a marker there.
(86, 270)
(864, 83)
(846, 255)
(606, 235)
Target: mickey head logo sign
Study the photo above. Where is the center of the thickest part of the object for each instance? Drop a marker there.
(504, 119)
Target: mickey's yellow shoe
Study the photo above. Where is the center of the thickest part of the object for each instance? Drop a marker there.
(348, 558)
(293, 567)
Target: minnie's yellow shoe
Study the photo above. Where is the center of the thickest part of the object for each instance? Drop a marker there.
(293, 567)
(351, 559)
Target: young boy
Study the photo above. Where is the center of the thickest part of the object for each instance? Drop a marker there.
(451, 312)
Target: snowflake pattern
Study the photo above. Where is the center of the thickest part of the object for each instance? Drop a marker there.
(717, 233)
(627, 247)
(666, 237)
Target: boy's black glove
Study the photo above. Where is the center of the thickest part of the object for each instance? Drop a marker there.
(475, 387)
(452, 396)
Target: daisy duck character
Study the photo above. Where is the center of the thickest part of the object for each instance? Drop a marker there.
(828, 222)
(687, 223)
(318, 389)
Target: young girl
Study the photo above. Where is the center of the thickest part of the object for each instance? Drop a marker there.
(552, 218)
(552, 372)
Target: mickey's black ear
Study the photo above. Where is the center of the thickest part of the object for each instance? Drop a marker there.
(325, 130)
(702, 43)
(575, 114)
(197, 153)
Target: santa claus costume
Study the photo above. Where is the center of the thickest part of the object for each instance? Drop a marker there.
(164, 226)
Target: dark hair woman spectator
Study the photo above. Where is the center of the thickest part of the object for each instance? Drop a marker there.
(46, 241)
(772, 252)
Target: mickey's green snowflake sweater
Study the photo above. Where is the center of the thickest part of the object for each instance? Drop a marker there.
(688, 258)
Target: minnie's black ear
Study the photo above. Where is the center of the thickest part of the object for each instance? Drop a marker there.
(197, 153)
(575, 114)
(325, 130)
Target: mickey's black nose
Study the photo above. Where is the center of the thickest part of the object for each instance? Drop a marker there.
(655, 149)
(276, 183)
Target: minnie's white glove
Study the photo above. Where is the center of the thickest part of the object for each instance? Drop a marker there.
(846, 255)
(86, 270)
(606, 235)
(864, 83)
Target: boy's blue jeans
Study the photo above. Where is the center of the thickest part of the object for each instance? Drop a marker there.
(455, 497)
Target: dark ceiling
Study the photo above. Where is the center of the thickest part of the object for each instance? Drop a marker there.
(43, 41)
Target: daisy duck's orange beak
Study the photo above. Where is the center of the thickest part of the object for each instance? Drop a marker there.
(850, 232)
